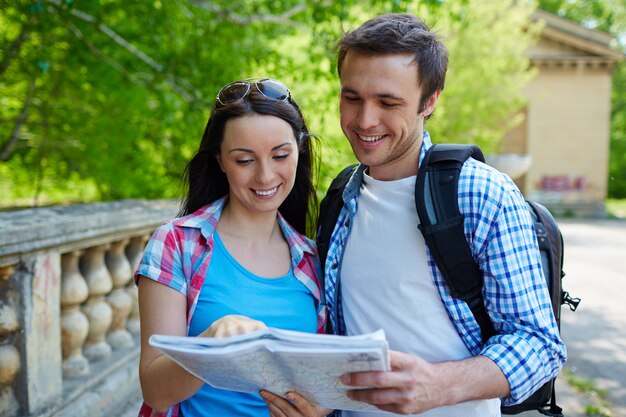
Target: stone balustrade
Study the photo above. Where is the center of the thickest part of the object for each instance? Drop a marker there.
(69, 319)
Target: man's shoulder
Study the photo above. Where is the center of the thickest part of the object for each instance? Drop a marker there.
(483, 191)
(479, 177)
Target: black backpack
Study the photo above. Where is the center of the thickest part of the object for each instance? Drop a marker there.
(442, 227)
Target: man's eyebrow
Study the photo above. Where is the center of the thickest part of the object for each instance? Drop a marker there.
(251, 151)
(348, 90)
(388, 96)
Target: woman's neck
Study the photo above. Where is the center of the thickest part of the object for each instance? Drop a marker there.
(239, 223)
(255, 241)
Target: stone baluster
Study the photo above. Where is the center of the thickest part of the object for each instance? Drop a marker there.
(97, 310)
(74, 324)
(134, 252)
(121, 303)
(9, 355)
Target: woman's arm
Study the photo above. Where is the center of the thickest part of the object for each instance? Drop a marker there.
(162, 310)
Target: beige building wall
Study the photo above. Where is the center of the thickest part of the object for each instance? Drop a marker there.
(567, 119)
(569, 111)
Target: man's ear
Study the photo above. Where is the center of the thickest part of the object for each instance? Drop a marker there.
(429, 108)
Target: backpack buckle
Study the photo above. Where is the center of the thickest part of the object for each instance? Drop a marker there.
(552, 412)
(570, 301)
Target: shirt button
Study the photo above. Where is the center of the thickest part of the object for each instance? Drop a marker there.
(334, 265)
(347, 223)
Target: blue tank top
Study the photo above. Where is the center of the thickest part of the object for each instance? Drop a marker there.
(229, 288)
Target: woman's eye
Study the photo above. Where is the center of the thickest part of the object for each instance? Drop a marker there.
(243, 161)
(281, 156)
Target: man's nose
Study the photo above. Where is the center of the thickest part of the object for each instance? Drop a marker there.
(368, 116)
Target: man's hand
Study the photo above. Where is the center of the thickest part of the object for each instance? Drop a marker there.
(232, 325)
(414, 385)
(411, 387)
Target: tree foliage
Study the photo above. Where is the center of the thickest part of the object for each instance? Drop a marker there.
(608, 16)
(108, 99)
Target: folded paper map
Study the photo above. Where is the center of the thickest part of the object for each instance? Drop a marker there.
(280, 361)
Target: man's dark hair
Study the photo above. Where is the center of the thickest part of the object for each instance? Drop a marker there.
(401, 33)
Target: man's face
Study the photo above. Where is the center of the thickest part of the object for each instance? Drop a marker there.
(379, 106)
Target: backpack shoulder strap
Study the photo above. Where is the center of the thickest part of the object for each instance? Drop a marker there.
(441, 224)
(330, 207)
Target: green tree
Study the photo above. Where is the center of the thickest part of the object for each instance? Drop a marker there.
(608, 16)
(108, 99)
(486, 42)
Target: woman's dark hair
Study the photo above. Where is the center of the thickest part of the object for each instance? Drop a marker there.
(399, 33)
(206, 182)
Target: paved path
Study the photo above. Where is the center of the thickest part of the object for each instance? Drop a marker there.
(595, 263)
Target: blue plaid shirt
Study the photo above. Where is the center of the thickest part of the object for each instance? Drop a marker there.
(499, 229)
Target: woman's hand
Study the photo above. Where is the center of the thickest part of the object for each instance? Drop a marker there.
(232, 325)
(294, 406)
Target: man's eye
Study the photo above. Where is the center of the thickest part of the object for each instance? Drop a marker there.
(350, 98)
(389, 105)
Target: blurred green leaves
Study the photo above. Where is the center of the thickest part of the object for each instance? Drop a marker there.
(108, 99)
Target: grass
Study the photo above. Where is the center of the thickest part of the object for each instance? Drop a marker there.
(616, 208)
(599, 406)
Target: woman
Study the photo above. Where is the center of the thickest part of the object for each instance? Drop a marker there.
(237, 260)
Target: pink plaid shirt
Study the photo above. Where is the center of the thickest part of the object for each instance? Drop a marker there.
(179, 253)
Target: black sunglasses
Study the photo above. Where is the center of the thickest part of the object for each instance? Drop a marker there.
(238, 90)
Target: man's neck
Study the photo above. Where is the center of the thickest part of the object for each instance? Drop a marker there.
(403, 166)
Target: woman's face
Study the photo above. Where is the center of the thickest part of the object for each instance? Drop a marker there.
(259, 155)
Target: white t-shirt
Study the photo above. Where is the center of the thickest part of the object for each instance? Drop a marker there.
(386, 283)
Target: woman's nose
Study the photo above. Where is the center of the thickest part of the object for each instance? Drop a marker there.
(264, 173)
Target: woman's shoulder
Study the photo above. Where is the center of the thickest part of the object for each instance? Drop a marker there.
(208, 213)
(188, 229)
(296, 239)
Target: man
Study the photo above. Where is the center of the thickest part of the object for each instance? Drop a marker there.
(379, 273)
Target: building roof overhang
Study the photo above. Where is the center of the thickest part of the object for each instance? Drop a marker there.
(593, 46)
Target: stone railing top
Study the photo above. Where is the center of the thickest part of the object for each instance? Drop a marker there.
(30, 230)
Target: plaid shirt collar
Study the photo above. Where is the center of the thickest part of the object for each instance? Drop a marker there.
(207, 217)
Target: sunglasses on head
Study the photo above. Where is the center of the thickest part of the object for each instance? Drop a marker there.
(238, 90)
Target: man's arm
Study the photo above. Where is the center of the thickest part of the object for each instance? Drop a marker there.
(414, 385)
(527, 347)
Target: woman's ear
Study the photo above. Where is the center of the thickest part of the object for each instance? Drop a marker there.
(219, 161)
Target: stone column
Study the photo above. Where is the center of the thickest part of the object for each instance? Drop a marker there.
(9, 355)
(134, 252)
(38, 281)
(74, 324)
(121, 303)
(96, 309)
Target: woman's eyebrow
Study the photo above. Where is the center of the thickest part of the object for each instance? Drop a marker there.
(251, 151)
(282, 145)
